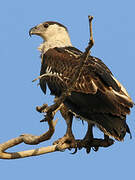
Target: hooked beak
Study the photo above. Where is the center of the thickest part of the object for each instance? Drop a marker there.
(37, 30)
(33, 31)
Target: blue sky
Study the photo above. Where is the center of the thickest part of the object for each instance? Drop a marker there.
(114, 35)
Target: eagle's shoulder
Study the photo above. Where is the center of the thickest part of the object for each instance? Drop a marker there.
(68, 51)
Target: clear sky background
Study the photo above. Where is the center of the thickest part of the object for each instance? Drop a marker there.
(114, 34)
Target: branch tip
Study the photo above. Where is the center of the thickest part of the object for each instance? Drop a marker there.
(90, 17)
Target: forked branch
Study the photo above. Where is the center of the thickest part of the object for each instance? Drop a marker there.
(29, 139)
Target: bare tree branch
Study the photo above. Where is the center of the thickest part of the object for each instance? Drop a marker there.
(44, 150)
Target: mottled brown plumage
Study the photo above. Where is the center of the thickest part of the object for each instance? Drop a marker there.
(93, 98)
(97, 96)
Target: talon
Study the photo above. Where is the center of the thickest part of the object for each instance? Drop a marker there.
(42, 108)
(69, 139)
(88, 149)
(86, 144)
(95, 149)
(74, 151)
(69, 149)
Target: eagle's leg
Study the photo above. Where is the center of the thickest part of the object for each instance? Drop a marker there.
(86, 141)
(90, 142)
(68, 137)
(89, 133)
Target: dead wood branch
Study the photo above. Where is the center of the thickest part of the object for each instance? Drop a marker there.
(27, 139)
(44, 150)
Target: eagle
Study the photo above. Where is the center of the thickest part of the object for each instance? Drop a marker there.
(97, 96)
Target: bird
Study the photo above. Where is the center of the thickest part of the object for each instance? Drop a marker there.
(97, 96)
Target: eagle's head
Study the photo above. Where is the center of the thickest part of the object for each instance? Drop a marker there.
(53, 34)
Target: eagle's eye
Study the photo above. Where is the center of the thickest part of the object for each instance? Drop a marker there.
(46, 25)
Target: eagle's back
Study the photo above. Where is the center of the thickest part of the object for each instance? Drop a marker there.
(97, 96)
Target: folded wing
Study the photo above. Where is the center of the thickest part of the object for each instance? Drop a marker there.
(97, 96)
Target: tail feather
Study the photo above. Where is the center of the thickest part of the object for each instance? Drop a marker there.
(111, 125)
(107, 110)
(128, 131)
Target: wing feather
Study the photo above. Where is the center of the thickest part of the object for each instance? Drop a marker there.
(95, 77)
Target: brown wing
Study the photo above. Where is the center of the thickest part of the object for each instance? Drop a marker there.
(97, 95)
(61, 65)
